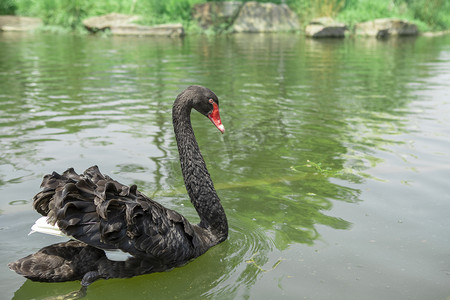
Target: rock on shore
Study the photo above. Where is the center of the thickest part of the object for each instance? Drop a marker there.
(103, 22)
(265, 17)
(169, 30)
(215, 13)
(16, 23)
(382, 28)
(325, 27)
(121, 24)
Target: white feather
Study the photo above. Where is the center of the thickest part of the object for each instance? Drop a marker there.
(117, 255)
(41, 225)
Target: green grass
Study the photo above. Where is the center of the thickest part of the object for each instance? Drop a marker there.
(434, 13)
(427, 14)
(7, 7)
(70, 13)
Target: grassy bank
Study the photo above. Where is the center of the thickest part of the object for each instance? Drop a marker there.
(427, 14)
(70, 13)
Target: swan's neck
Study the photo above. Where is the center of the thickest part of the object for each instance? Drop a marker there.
(196, 176)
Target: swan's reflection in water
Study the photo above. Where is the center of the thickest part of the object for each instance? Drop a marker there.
(219, 273)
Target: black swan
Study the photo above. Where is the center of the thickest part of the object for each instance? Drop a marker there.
(101, 214)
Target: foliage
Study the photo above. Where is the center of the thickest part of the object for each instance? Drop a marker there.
(70, 13)
(435, 13)
(364, 10)
(66, 13)
(7, 7)
(428, 14)
(156, 11)
(329, 8)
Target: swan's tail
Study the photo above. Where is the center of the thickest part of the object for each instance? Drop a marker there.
(41, 225)
(65, 261)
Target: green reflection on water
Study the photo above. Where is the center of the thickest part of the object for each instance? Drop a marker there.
(304, 119)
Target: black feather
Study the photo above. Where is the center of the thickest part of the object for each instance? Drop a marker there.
(101, 213)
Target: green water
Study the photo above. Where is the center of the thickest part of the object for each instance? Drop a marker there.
(334, 168)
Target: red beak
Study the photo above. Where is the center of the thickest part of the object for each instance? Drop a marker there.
(214, 116)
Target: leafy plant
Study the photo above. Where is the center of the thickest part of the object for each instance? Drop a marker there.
(7, 7)
(435, 13)
(426, 14)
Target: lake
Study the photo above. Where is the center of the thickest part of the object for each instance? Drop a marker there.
(333, 170)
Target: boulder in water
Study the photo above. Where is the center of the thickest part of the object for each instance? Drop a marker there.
(386, 27)
(216, 13)
(265, 17)
(16, 23)
(120, 24)
(325, 27)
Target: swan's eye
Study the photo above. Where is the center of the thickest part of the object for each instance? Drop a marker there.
(211, 101)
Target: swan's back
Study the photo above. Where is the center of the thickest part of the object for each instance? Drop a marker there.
(105, 214)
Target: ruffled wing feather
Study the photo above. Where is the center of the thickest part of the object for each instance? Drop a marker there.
(103, 213)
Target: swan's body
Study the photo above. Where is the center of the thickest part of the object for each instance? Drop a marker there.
(102, 214)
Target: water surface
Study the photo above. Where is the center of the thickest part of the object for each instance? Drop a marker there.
(333, 169)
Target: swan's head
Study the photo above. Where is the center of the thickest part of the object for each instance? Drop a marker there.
(206, 103)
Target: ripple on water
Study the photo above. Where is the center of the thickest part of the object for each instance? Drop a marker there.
(244, 254)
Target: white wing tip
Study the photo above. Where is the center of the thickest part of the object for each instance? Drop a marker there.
(41, 225)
